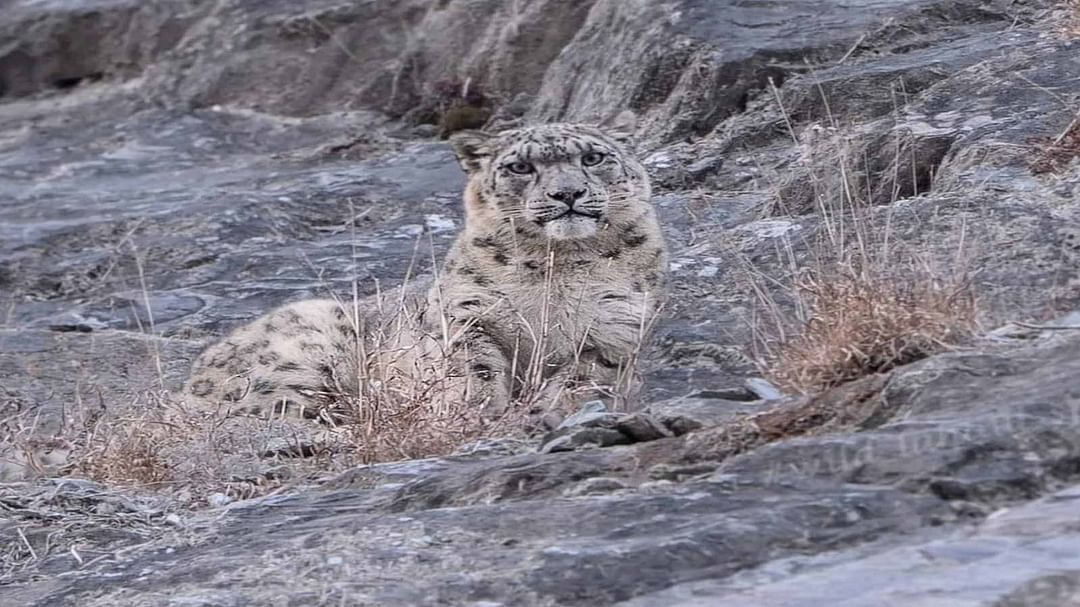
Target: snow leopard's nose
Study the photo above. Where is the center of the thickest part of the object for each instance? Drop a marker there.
(567, 196)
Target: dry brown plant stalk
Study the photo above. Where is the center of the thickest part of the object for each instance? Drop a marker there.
(864, 321)
(1055, 153)
(1072, 19)
(401, 409)
(124, 451)
(860, 301)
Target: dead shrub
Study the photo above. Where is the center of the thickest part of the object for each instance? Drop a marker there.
(127, 452)
(406, 401)
(93, 442)
(1055, 153)
(864, 321)
(854, 300)
(155, 444)
(409, 402)
(1071, 20)
(119, 446)
(384, 428)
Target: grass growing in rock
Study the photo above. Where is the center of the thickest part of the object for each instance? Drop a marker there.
(864, 321)
(850, 316)
(1053, 154)
(124, 451)
(399, 409)
(395, 412)
(1072, 18)
(408, 404)
(855, 299)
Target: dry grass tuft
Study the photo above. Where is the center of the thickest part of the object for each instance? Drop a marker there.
(408, 397)
(125, 451)
(862, 322)
(1055, 153)
(400, 429)
(157, 445)
(1072, 19)
(857, 302)
(405, 399)
(855, 299)
(410, 400)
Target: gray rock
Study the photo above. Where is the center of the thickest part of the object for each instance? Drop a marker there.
(779, 524)
(1023, 556)
(171, 169)
(763, 388)
(640, 427)
(594, 426)
(688, 413)
(583, 438)
(596, 486)
(590, 413)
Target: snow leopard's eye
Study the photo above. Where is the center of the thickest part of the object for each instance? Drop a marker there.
(519, 168)
(592, 159)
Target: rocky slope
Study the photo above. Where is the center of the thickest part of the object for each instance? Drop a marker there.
(171, 168)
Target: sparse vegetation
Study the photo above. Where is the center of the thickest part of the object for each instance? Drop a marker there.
(402, 410)
(392, 415)
(74, 523)
(1072, 18)
(855, 301)
(863, 321)
(853, 312)
(454, 105)
(124, 451)
(395, 413)
(154, 441)
(1055, 153)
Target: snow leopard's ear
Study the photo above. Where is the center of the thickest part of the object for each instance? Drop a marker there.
(471, 148)
(621, 127)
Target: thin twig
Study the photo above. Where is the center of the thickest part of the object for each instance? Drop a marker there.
(1028, 325)
(22, 536)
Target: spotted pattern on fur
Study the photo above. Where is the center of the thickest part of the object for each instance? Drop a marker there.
(547, 294)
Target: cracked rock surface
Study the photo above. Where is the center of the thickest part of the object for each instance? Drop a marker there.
(170, 169)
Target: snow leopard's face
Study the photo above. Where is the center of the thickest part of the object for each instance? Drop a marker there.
(560, 181)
